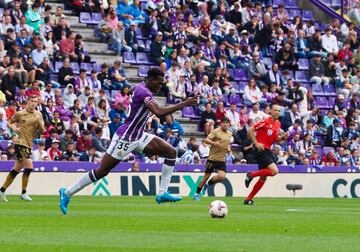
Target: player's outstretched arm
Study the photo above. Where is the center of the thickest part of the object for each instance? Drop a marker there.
(159, 111)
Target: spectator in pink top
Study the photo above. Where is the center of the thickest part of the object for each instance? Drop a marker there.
(123, 97)
(67, 46)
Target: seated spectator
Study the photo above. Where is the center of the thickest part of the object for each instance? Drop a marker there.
(252, 93)
(273, 76)
(112, 20)
(33, 18)
(315, 45)
(333, 134)
(39, 54)
(355, 158)
(345, 53)
(84, 142)
(80, 52)
(157, 49)
(22, 25)
(285, 58)
(314, 158)
(103, 31)
(295, 128)
(255, 114)
(34, 90)
(69, 96)
(66, 74)
(102, 110)
(302, 47)
(171, 137)
(40, 154)
(340, 103)
(177, 90)
(329, 42)
(117, 109)
(306, 145)
(63, 112)
(317, 71)
(173, 125)
(220, 112)
(81, 82)
(9, 84)
(329, 159)
(67, 47)
(118, 38)
(136, 11)
(342, 156)
(57, 123)
(118, 76)
(257, 69)
(131, 39)
(208, 120)
(104, 77)
(61, 30)
(68, 137)
(53, 152)
(216, 91)
(70, 153)
(23, 39)
(124, 12)
(115, 124)
(96, 141)
(90, 155)
(4, 130)
(351, 132)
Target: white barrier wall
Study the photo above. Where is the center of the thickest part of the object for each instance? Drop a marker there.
(325, 185)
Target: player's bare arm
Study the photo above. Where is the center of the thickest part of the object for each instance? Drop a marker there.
(159, 111)
(251, 135)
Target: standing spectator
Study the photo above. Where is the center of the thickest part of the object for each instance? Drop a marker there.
(317, 71)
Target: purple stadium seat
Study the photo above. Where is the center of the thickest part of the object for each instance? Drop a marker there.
(96, 18)
(326, 150)
(188, 112)
(4, 144)
(75, 67)
(331, 101)
(268, 62)
(231, 73)
(322, 102)
(329, 90)
(307, 86)
(129, 57)
(276, 3)
(85, 18)
(234, 98)
(141, 43)
(58, 65)
(148, 44)
(242, 85)
(293, 13)
(327, 2)
(336, 3)
(143, 71)
(235, 85)
(225, 99)
(303, 64)
(319, 149)
(291, 4)
(143, 58)
(139, 34)
(240, 74)
(96, 67)
(301, 76)
(307, 15)
(86, 66)
(317, 89)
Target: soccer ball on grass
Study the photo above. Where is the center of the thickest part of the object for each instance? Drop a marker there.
(218, 209)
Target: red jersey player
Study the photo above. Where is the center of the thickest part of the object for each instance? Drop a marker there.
(267, 132)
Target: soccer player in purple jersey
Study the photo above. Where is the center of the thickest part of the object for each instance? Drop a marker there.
(131, 136)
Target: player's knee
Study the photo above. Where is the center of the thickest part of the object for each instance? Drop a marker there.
(275, 171)
(221, 176)
(263, 178)
(170, 153)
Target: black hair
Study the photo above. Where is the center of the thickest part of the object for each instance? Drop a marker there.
(155, 73)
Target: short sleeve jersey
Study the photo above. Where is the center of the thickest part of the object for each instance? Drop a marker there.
(267, 131)
(28, 123)
(218, 153)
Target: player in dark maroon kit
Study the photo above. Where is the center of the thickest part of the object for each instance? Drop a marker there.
(267, 132)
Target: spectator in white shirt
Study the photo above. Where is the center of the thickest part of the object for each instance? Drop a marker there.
(172, 75)
(6, 24)
(256, 114)
(329, 42)
(40, 154)
(234, 118)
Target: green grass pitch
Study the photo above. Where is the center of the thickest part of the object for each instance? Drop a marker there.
(139, 224)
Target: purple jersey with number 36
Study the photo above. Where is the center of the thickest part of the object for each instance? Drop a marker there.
(134, 125)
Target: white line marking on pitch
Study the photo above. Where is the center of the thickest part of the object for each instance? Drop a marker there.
(318, 211)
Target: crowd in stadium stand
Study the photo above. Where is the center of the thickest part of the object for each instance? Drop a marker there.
(239, 57)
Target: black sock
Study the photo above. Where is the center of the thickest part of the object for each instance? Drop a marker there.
(2, 189)
(23, 191)
(198, 190)
(211, 182)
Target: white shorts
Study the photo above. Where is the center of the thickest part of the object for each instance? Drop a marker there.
(120, 148)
